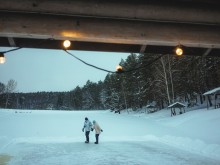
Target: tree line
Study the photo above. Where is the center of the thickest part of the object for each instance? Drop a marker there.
(162, 82)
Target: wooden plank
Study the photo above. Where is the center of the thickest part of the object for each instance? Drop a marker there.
(39, 26)
(196, 11)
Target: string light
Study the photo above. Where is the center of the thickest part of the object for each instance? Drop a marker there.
(119, 69)
(122, 71)
(179, 51)
(66, 44)
(2, 58)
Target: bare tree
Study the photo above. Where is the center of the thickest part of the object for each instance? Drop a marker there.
(171, 77)
(164, 77)
(2, 88)
(10, 87)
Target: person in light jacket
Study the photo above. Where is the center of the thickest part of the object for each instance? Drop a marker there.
(87, 127)
(97, 129)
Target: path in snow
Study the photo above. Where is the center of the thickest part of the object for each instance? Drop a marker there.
(108, 153)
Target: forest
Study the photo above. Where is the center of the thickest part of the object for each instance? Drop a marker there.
(145, 79)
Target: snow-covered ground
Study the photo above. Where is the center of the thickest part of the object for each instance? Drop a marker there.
(56, 138)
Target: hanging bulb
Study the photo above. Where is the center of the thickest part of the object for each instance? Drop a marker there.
(119, 69)
(66, 44)
(179, 51)
(2, 58)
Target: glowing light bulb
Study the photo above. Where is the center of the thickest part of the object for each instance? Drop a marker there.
(2, 59)
(179, 51)
(66, 44)
(119, 68)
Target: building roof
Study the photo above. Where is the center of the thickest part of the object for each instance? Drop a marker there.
(213, 91)
(150, 106)
(177, 105)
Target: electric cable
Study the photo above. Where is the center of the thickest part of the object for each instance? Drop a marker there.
(123, 71)
(11, 50)
(88, 63)
(96, 67)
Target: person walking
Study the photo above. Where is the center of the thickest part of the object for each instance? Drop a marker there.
(87, 127)
(97, 129)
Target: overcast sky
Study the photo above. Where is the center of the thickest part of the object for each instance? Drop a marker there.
(54, 70)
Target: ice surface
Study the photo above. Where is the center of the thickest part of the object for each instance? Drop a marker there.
(56, 137)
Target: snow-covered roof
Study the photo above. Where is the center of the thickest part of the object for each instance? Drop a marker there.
(150, 106)
(176, 105)
(212, 91)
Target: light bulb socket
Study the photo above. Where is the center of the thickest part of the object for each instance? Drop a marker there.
(2, 58)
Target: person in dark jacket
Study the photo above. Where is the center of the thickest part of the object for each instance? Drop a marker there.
(87, 127)
(98, 130)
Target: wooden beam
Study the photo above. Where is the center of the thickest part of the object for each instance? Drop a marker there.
(103, 47)
(195, 11)
(39, 26)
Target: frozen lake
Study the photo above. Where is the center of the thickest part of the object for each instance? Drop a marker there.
(56, 138)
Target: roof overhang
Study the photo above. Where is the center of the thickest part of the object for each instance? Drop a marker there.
(115, 26)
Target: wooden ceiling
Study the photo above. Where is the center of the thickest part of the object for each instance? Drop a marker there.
(141, 26)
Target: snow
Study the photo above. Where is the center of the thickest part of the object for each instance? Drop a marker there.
(212, 91)
(56, 137)
(176, 103)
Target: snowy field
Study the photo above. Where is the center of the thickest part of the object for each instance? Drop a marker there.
(56, 138)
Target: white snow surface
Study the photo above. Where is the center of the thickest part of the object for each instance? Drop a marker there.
(32, 137)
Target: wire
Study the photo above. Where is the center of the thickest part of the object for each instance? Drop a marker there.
(144, 66)
(38, 43)
(11, 50)
(131, 70)
(88, 63)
